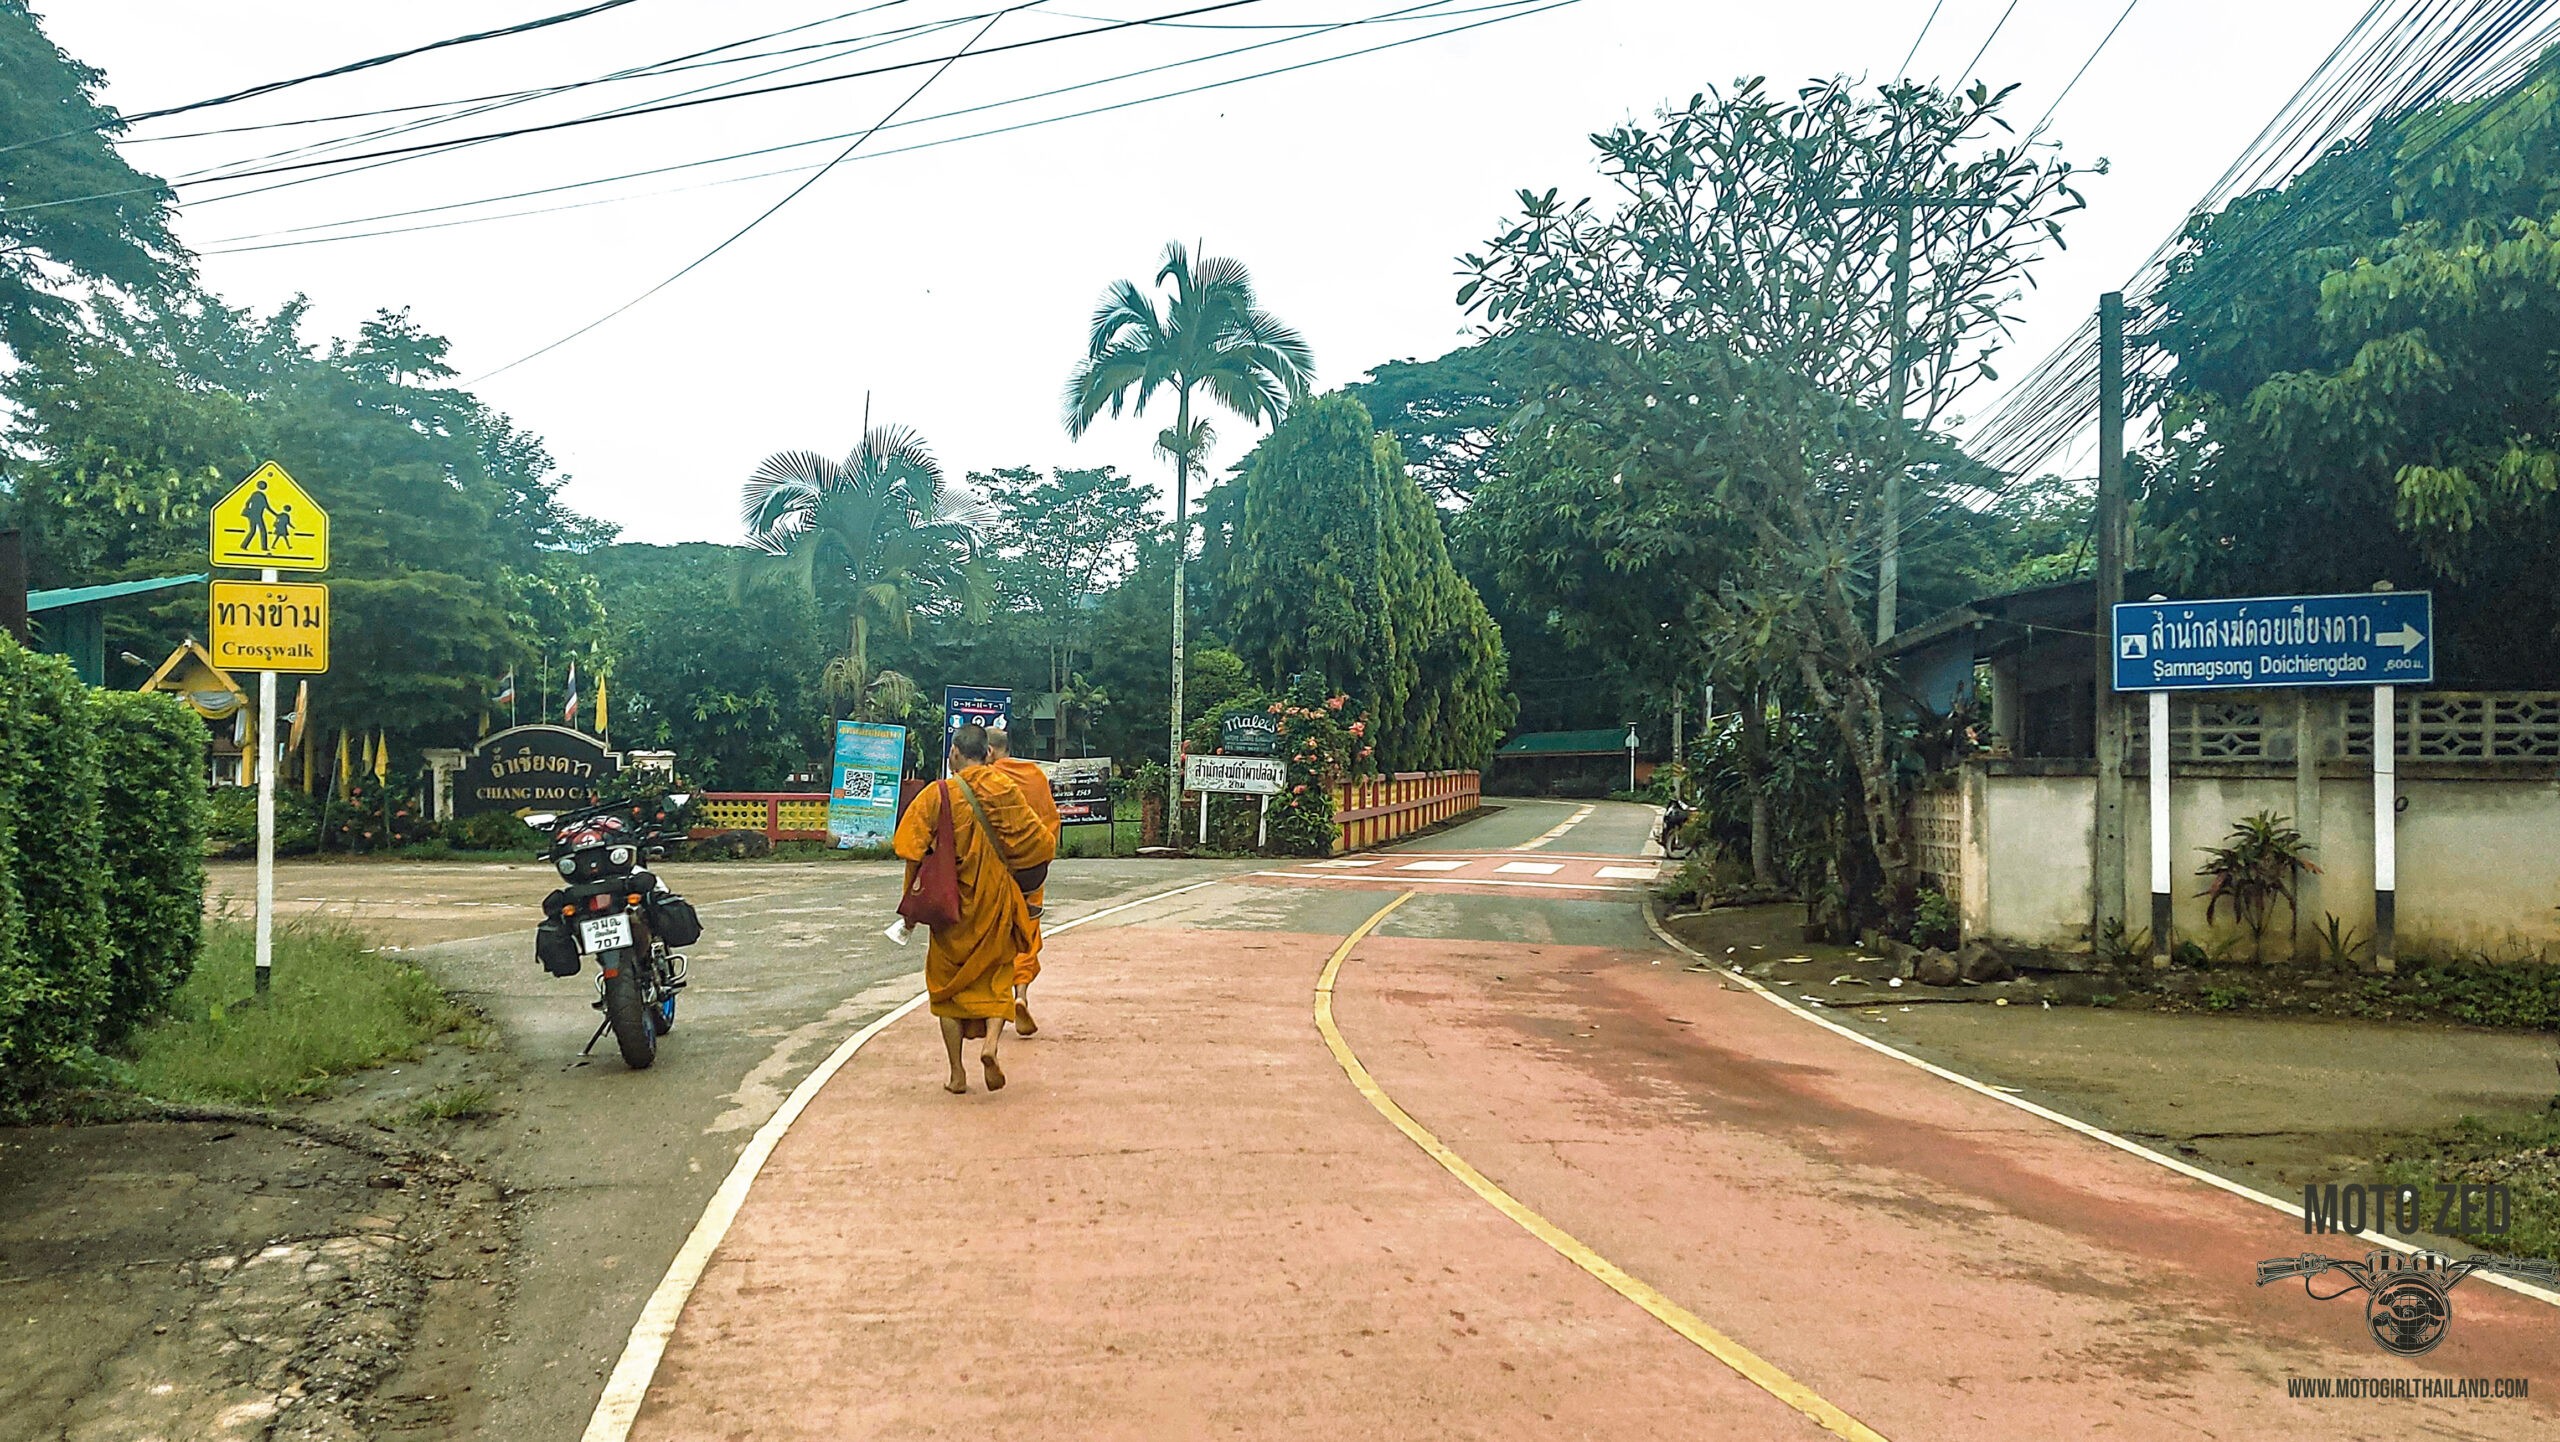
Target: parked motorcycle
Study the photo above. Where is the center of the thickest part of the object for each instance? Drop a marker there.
(1675, 822)
(614, 908)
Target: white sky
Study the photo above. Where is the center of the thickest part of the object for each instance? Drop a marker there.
(954, 284)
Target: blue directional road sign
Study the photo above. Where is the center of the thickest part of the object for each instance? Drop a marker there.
(2373, 638)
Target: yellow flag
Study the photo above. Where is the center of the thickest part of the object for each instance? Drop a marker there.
(603, 726)
(381, 757)
(342, 775)
(301, 713)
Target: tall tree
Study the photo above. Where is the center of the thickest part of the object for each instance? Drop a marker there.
(1731, 318)
(902, 534)
(1211, 336)
(1339, 567)
(1058, 542)
(68, 201)
(2366, 385)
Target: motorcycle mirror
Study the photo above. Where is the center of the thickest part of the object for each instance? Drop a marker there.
(679, 798)
(541, 820)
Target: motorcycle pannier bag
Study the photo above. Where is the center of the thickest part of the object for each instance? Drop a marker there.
(555, 948)
(673, 920)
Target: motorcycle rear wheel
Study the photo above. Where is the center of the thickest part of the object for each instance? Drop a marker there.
(634, 1031)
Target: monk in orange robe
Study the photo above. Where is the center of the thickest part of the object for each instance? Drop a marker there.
(1044, 804)
(969, 965)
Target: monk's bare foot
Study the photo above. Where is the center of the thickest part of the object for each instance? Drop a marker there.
(958, 1086)
(995, 1073)
(1022, 1022)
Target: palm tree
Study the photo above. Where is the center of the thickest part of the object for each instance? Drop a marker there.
(1211, 336)
(905, 534)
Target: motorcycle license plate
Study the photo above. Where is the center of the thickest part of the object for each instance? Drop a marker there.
(604, 933)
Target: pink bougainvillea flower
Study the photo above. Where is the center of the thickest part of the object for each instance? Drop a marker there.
(1336, 703)
(1359, 727)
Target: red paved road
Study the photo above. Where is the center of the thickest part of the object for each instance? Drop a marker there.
(1182, 1221)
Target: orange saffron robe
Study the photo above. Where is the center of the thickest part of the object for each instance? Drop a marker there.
(969, 966)
(1044, 804)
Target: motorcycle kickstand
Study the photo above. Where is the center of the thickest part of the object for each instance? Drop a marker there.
(599, 1036)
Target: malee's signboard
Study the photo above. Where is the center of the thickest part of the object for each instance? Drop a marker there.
(2368, 638)
(862, 804)
(1082, 787)
(1248, 775)
(1253, 733)
(533, 768)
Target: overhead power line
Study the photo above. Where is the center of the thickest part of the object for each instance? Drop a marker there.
(2399, 58)
(633, 112)
(1916, 39)
(1430, 10)
(769, 211)
(350, 68)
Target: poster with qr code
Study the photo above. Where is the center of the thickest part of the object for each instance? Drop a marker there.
(862, 805)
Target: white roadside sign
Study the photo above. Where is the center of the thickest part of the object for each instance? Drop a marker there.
(1248, 775)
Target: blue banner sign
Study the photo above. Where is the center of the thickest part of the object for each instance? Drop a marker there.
(862, 805)
(988, 706)
(2373, 638)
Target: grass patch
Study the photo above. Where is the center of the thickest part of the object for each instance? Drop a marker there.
(334, 1008)
(2524, 1156)
(454, 1104)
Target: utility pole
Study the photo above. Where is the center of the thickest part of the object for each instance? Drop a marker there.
(1898, 385)
(2107, 856)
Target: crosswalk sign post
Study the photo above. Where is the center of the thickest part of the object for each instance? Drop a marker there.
(270, 523)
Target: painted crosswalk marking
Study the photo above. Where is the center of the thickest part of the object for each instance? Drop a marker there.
(1431, 866)
(1630, 873)
(1350, 864)
(1530, 868)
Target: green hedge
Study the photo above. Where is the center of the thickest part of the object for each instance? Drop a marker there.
(152, 816)
(54, 952)
(232, 823)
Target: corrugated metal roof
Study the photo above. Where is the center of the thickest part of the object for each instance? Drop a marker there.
(82, 595)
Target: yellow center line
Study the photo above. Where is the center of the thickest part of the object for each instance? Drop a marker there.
(1679, 1319)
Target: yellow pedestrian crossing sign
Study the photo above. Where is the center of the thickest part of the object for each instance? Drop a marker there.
(267, 520)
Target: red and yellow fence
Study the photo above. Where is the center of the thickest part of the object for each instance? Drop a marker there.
(780, 815)
(1375, 810)
(1371, 811)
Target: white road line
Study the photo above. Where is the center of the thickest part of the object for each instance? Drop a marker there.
(1630, 873)
(1560, 829)
(1529, 868)
(1432, 866)
(1448, 881)
(2095, 1133)
(629, 1384)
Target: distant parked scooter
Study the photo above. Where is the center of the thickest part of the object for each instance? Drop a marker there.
(1675, 820)
(617, 909)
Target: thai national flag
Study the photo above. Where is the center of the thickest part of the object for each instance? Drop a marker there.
(507, 697)
(569, 713)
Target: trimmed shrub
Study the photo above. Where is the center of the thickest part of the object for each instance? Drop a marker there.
(232, 822)
(151, 823)
(492, 831)
(54, 947)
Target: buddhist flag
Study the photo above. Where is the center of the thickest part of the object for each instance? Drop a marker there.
(602, 725)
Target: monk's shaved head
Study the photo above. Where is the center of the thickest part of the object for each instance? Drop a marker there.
(969, 743)
(999, 745)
